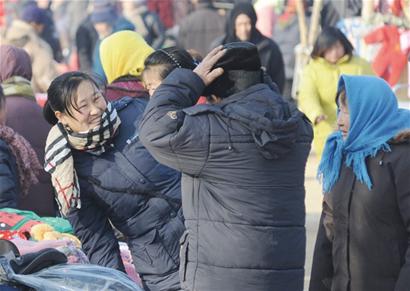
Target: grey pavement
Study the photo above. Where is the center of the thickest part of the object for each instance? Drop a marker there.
(313, 203)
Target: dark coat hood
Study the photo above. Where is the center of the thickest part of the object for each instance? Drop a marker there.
(14, 62)
(274, 128)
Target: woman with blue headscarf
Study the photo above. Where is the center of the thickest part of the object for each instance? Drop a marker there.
(363, 242)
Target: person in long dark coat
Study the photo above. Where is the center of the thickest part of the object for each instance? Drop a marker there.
(24, 116)
(19, 165)
(363, 241)
(243, 158)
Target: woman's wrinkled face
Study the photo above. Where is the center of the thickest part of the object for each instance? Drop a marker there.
(243, 27)
(151, 78)
(334, 53)
(90, 104)
(343, 119)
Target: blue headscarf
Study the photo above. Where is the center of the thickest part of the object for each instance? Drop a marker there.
(374, 119)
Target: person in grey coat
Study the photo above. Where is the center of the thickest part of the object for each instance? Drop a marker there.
(243, 158)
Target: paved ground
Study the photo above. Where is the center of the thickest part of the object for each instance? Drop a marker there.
(313, 209)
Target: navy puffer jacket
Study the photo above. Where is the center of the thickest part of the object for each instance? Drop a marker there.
(126, 187)
(243, 163)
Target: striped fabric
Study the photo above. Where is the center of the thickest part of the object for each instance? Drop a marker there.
(59, 160)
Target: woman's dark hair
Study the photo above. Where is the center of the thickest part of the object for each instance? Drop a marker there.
(341, 97)
(61, 95)
(170, 58)
(329, 37)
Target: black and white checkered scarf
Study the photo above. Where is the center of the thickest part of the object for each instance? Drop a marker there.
(59, 160)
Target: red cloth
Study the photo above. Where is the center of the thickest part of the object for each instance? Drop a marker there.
(201, 100)
(2, 14)
(164, 9)
(396, 7)
(130, 88)
(390, 60)
(12, 234)
(8, 221)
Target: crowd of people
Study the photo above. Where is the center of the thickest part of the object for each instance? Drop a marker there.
(173, 131)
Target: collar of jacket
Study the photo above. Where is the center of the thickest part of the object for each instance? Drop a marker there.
(203, 6)
(128, 85)
(18, 86)
(240, 95)
(402, 137)
(18, 30)
(217, 108)
(342, 60)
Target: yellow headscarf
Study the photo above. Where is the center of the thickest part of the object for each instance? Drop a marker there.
(123, 53)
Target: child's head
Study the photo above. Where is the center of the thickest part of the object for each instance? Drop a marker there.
(160, 63)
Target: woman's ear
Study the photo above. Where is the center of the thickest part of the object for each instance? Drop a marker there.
(60, 116)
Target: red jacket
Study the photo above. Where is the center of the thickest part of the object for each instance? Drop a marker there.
(390, 60)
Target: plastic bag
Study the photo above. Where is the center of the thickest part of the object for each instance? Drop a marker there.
(75, 277)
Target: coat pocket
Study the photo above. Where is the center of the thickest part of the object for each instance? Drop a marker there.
(151, 255)
(183, 256)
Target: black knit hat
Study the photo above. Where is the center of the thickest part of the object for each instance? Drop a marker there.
(240, 55)
(242, 69)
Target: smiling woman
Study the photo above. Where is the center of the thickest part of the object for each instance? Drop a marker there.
(88, 108)
(93, 149)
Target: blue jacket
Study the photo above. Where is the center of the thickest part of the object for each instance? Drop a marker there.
(141, 198)
(9, 179)
(243, 163)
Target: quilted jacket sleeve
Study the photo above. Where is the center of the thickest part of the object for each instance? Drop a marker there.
(173, 137)
(9, 187)
(309, 100)
(402, 183)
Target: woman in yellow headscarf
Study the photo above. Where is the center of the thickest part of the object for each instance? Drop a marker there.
(122, 56)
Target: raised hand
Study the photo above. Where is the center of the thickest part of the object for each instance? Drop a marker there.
(204, 69)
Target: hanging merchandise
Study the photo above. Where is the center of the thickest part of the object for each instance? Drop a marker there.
(390, 61)
(355, 29)
(405, 41)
